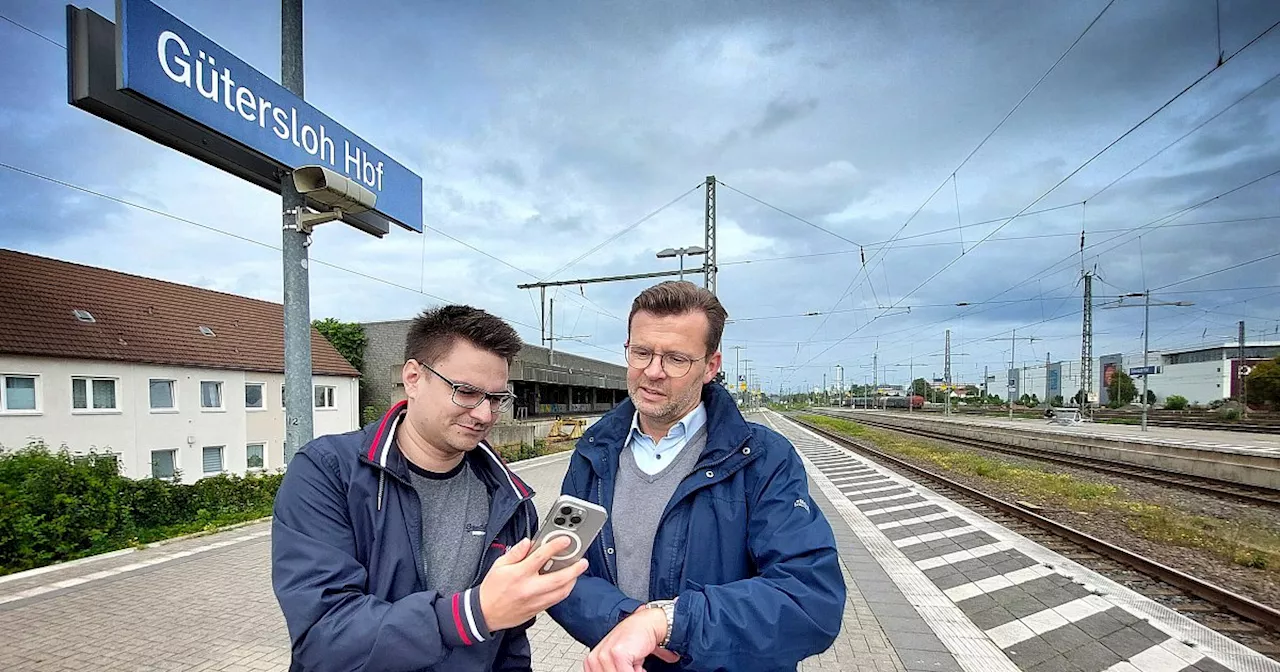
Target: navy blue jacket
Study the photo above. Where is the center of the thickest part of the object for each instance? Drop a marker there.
(751, 557)
(346, 561)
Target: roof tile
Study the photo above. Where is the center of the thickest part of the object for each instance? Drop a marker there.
(141, 320)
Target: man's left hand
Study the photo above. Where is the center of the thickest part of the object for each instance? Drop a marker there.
(626, 646)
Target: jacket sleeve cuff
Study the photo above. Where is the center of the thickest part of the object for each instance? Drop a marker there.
(461, 622)
(627, 607)
(691, 602)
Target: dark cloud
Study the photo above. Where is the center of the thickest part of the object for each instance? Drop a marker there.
(542, 130)
(780, 112)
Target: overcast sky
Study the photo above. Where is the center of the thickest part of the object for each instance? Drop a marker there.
(543, 129)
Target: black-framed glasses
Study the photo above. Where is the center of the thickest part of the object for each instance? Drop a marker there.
(673, 364)
(470, 396)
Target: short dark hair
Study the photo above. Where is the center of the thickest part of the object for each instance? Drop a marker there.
(433, 333)
(677, 297)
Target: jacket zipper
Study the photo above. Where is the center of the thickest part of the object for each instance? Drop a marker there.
(488, 542)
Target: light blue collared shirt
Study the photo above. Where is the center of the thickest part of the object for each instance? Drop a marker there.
(654, 457)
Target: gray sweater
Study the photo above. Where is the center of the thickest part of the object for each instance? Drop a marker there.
(638, 502)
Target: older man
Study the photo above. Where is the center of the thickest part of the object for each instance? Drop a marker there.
(714, 557)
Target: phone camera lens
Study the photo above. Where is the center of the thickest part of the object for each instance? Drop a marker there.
(566, 510)
(575, 520)
(559, 521)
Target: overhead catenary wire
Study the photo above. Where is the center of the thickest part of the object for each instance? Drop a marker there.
(1044, 195)
(38, 34)
(422, 279)
(628, 229)
(269, 246)
(1038, 236)
(881, 253)
(1099, 153)
(789, 214)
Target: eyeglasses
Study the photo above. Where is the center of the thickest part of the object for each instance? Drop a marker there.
(674, 364)
(470, 396)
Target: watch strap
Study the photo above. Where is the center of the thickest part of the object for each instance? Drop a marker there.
(668, 608)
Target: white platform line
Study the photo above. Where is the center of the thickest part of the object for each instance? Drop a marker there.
(1213, 644)
(861, 478)
(888, 498)
(927, 518)
(993, 583)
(1168, 656)
(115, 571)
(894, 509)
(934, 536)
(841, 472)
(1025, 628)
(850, 493)
(972, 649)
(962, 555)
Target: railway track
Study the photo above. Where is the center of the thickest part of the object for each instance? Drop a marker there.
(1251, 623)
(1202, 484)
(1101, 418)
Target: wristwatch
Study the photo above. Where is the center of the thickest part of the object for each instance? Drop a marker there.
(668, 608)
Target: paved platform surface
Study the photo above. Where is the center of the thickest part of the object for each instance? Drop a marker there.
(206, 604)
(997, 600)
(932, 587)
(1195, 438)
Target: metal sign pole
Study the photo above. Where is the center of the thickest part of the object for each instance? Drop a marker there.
(299, 425)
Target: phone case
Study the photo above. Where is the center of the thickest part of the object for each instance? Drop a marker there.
(577, 519)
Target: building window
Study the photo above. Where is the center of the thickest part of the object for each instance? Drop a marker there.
(18, 394)
(212, 459)
(162, 397)
(253, 396)
(324, 396)
(98, 394)
(162, 463)
(211, 394)
(256, 455)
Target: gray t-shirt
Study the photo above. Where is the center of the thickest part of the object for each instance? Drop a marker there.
(638, 502)
(455, 513)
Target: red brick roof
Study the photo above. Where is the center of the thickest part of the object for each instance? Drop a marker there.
(141, 320)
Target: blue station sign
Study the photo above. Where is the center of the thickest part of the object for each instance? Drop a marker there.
(174, 67)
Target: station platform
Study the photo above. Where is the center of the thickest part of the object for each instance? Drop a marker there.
(1174, 436)
(940, 578)
(932, 587)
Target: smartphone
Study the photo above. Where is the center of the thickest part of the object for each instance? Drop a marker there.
(576, 519)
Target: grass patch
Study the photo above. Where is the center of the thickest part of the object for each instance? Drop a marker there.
(1244, 542)
(1027, 482)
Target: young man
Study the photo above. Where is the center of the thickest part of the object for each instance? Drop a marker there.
(714, 556)
(405, 545)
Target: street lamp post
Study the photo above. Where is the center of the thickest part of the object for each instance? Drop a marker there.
(1146, 337)
(682, 252)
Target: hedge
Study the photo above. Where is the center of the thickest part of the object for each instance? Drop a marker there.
(55, 506)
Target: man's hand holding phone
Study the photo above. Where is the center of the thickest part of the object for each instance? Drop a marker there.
(515, 590)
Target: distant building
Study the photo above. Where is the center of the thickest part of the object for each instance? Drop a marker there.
(168, 377)
(1203, 374)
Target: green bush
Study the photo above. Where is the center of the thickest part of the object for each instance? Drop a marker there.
(539, 448)
(1175, 402)
(55, 506)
